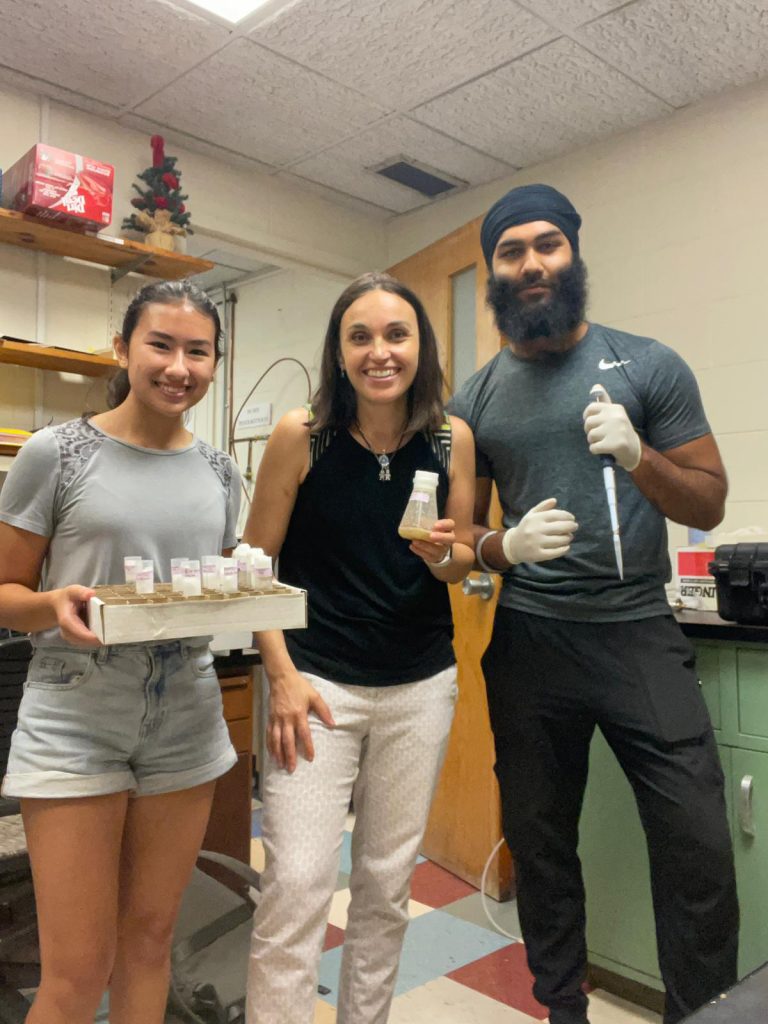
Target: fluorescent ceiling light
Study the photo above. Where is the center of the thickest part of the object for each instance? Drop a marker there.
(231, 10)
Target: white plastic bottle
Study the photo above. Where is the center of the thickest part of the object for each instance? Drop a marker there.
(421, 511)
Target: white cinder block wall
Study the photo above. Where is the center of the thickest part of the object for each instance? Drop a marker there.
(675, 227)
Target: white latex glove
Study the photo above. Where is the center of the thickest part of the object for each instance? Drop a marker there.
(544, 533)
(610, 432)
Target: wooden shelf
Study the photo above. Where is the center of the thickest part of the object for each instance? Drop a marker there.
(20, 353)
(122, 255)
(9, 450)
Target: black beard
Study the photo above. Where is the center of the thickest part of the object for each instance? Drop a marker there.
(552, 317)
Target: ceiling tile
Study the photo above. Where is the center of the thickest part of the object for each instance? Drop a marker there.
(568, 14)
(336, 197)
(194, 144)
(556, 99)
(344, 166)
(113, 51)
(399, 52)
(28, 84)
(684, 49)
(261, 105)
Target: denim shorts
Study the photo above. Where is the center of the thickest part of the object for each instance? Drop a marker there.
(145, 718)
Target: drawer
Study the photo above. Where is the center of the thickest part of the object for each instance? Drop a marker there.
(237, 702)
(233, 682)
(240, 734)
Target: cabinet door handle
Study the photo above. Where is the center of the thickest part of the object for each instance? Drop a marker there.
(746, 817)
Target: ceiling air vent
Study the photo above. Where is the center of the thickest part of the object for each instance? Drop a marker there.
(428, 181)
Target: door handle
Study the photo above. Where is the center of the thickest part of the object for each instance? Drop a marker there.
(483, 587)
(746, 816)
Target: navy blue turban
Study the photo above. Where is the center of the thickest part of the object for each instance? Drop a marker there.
(522, 206)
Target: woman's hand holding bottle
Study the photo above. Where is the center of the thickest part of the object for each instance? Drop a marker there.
(437, 549)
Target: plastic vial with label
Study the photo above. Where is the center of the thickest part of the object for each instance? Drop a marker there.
(145, 577)
(421, 511)
(260, 570)
(211, 572)
(177, 575)
(192, 587)
(229, 575)
(241, 554)
(131, 564)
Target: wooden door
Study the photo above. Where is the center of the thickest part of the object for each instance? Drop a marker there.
(465, 822)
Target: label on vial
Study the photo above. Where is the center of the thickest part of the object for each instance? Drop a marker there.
(420, 496)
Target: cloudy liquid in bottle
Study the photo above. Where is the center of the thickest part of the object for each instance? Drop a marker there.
(414, 532)
(421, 511)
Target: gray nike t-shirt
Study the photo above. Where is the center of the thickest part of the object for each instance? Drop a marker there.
(100, 499)
(526, 416)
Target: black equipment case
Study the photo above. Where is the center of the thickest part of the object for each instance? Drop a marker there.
(741, 578)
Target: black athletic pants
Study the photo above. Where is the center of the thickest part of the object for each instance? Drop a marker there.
(549, 684)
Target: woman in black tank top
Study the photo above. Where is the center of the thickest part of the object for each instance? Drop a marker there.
(362, 700)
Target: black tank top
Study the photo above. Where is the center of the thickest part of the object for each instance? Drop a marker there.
(376, 614)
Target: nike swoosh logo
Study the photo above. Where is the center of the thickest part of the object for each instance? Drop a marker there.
(605, 365)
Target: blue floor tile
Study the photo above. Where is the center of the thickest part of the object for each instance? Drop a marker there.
(435, 944)
(346, 853)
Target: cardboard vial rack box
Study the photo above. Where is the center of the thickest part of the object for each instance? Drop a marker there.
(118, 615)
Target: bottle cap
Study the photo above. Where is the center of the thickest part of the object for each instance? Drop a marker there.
(423, 478)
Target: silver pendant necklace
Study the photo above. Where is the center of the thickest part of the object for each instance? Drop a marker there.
(382, 458)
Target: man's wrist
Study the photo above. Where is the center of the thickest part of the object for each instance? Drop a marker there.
(640, 449)
(479, 553)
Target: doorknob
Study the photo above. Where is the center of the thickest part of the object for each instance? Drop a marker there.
(482, 587)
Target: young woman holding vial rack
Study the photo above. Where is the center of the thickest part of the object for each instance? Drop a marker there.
(117, 748)
(361, 702)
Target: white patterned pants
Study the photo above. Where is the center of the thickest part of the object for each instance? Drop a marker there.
(386, 753)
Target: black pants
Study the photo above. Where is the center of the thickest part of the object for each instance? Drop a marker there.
(549, 684)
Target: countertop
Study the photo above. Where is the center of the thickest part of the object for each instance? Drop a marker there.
(709, 626)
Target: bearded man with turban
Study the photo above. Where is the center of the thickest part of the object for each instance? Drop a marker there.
(575, 646)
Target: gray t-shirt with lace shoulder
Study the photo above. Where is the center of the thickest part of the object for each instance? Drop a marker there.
(100, 499)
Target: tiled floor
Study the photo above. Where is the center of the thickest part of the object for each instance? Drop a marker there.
(456, 968)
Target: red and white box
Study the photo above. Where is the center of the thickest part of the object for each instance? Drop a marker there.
(52, 184)
(694, 579)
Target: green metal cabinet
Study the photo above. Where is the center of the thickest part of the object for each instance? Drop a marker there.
(620, 928)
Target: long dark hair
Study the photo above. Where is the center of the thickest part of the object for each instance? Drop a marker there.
(334, 403)
(166, 292)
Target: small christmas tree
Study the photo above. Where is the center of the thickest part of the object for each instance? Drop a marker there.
(160, 202)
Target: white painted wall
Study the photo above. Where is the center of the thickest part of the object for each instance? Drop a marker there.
(285, 314)
(277, 221)
(675, 225)
(675, 216)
